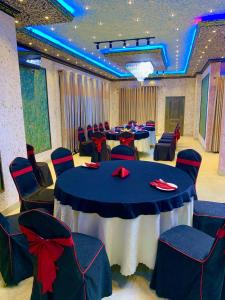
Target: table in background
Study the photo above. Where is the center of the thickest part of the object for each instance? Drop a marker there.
(126, 214)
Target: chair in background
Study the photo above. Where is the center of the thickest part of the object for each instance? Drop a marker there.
(189, 161)
(79, 268)
(164, 151)
(62, 160)
(123, 152)
(89, 131)
(107, 125)
(96, 127)
(150, 123)
(41, 169)
(85, 147)
(100, 150)
(15, 260)
(31, 194)
(101, 127)
(127, 138)
(189, 264)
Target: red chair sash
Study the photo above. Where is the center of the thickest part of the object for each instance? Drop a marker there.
(30, 152)
(62, 160)
(188, 162)
(122, 156)
(98, 142)
(47, 251)
(89, 129)
(80, 131)
(220, 233)
(126, 141)
(22, 171)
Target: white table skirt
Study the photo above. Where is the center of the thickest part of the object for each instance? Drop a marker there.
(142, 145)
(128, 242)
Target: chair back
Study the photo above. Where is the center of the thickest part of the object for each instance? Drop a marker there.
(100, 151)
(101, 127)
(123, 152)
(150, 123)
(89, 131)
(23, 176)
(132, 123)
(107, 125)
(189, 161)
(31, 155)
(81, 135)
(62, 160)
(96, 127)
(51, 235)
(127, 138)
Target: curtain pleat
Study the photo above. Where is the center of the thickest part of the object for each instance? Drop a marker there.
(215, 141)
(139, 104)
(83, 101)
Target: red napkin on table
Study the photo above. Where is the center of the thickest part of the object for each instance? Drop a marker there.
(159, 183)
(93, 165)
(121, 172)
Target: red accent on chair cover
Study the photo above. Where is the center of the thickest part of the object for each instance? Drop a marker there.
(22, 171)
(98, 142)
(96, 127)
(62, 160)
(101, 127)
(126, 141)
(123, 152)
(107, 125)
(47, 251)
(115, 156)
(189, 162)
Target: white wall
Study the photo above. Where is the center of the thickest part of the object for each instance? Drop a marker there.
(12, 135)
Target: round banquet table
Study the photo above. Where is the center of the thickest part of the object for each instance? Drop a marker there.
(141, 140)
(127, 214)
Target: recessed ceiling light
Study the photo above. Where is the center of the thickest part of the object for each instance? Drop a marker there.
(137, 19)
(172, 15)
(209, 40)
(210, 10)
(177, 29)
(45, 49)
(30, 43)
(99, 57)
(177, 46)
(177, 40)
(87, 7)
(177, 51)
(94, 37)
(130, 2)
(214, 31)
(84, 49)
(21, 1)
(16, 21)
(52, 28)
(46, 17)
(100, 23)
(57, 54)
(206, 47)
(92, 53)
(67, 59)
(147, 32)
(119, 34)
(200, 56)
(70, 40)
(222, 56)
(203, 52)
(75, 26)
(105, 46)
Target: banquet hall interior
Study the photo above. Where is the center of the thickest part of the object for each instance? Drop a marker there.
(112, 149)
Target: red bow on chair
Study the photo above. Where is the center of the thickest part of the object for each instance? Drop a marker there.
(126, 141)
(47, 251)
(98, 142)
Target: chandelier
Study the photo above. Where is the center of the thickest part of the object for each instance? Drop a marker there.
(140, 70)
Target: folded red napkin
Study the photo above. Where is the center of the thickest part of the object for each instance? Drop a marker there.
(163, 185)
(121, 172)
(93, 165)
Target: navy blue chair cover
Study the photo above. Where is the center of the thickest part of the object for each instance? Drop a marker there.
(85, 147)
(41, 169)
(62, 160)
(190, 265)
(189, 161)
(83, 270)
(89, 131)
(31, 194)
(102, 152)
(101, 127)
(96, 127)
(15, 260)
(164, 151)
(127, 138)
(107, 125)
(123, 152)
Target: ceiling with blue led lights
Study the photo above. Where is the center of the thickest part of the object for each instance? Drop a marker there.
(184, 30)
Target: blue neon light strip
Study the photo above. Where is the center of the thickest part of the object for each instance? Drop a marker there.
(210, 18)
(67, 6)
(78, 53)
(138, 48)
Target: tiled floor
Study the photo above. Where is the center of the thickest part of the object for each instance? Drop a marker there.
(210, 186)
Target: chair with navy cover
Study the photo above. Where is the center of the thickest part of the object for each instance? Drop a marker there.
(31, 194)
(190, 265)
(123, 152)
(62, 160)
(15, 260)
(89, 131)
(164, 151)
(96, 127)
(85, 147)
(189, 161)
(106, 124)
(101, 127)
(150, 123)
(68, 266)
(100, 151)
(127, 138)
(41, 169)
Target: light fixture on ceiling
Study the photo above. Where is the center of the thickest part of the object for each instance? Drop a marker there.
(97, 46)
(140, 70)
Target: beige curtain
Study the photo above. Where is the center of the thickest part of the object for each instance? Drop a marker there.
(215, 140)
(83, 101)
(138, 104)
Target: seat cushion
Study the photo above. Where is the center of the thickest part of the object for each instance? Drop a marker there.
(45, 195)
(86, 248)
(13, 224)
(208, 208)
(188, 240)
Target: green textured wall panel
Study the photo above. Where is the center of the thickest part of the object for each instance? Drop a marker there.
(204, 106)
(35, 108)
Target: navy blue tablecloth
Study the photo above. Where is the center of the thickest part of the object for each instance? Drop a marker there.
(97, 191)
(138, 135)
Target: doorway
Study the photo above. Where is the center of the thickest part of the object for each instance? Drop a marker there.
(174, 113)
